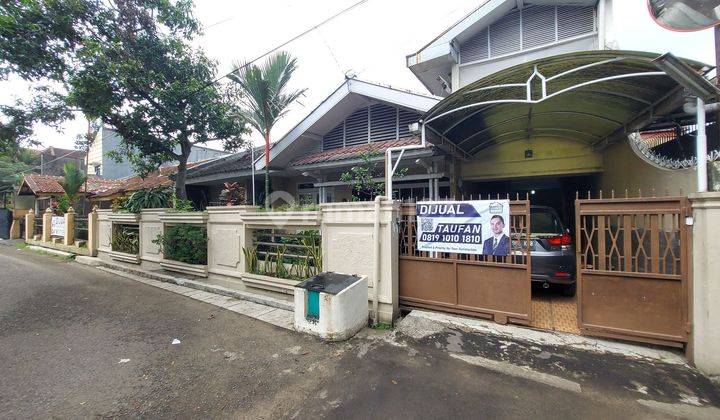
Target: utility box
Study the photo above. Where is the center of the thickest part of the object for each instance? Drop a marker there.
(332, 306)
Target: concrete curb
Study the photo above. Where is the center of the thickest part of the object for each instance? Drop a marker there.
(193, 284)
(419, 324)
(50, 251)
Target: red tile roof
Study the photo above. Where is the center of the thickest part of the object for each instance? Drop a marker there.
(351, 152)
(43, 184)
(658, 137)
(98, 187)
(159, 178)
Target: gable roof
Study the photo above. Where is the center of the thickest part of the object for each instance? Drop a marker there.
(402, 98)
(40, 184)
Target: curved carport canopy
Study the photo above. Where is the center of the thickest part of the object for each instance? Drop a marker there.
(588, 96)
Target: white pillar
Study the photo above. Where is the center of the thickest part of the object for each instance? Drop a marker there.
(701, 147)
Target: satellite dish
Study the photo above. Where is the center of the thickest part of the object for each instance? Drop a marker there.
(685, 15)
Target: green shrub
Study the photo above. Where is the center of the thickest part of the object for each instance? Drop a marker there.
(181, 205)
(151, 198)
(184, 243)
(125, 238)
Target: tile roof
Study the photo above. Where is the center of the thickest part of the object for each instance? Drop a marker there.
(159, 178)
(43, 184)
(237, 162)
(98, 187)
(351, 152)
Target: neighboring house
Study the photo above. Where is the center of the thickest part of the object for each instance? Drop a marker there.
(308, 161)
(107, 140)
(53, 159)
(37, 190)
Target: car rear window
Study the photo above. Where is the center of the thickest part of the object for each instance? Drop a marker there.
(545, 222)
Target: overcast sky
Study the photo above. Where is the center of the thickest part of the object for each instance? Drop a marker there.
(371, 41)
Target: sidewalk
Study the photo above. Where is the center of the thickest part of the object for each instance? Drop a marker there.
(264, 308)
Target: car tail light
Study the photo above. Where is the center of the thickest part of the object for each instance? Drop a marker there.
(564, 239)
(561, 274)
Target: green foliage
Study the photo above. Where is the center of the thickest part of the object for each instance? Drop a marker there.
(295, 207)
(181, 205)
(125, 238)
(118, 203)
(73, 179)
(64, 204)
(305, 261)
(130, 64)
(184, 243)
(14, 164)
(265, 96)
(151, 198)
(361, 177)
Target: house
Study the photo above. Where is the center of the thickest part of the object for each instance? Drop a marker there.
(53, 159)
(107, 140)
(307, 163)
(540, 99)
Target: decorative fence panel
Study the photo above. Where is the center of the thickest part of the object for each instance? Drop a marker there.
(632, 264)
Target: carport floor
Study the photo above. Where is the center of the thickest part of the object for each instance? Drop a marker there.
(554, 312)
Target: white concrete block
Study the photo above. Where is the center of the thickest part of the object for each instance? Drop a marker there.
(341, 315)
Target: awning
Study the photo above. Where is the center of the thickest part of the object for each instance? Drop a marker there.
(587, 96)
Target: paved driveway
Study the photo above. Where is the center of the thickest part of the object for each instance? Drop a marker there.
(76, 342)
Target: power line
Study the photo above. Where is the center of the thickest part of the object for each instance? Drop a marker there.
(300, 35)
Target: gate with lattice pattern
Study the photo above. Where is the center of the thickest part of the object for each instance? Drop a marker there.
(632, 268)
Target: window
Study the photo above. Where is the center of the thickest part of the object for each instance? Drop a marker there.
(533, 26)
(378, 122)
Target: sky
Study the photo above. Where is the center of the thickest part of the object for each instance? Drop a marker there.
(370, 42)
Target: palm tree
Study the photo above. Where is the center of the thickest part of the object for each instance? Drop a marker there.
(265, 97)
(72, 181)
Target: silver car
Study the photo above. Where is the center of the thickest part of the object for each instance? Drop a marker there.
(552, 250)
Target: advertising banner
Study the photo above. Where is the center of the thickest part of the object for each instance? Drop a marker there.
(57, 226)
(465, 227)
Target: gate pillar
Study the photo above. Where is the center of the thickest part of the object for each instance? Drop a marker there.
(705, 348)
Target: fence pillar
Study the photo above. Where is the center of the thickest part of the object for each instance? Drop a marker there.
(705, 292)
(69, 227)
(47, 225)
(29, 225)
(92, 242)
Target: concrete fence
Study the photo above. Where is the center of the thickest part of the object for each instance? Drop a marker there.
(352, 234)
(58, 232)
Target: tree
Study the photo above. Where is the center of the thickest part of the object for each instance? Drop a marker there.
(362, 177)
(265, 97)
(72, 181)
(128, 63)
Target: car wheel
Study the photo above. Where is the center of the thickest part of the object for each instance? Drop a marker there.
(569, 290)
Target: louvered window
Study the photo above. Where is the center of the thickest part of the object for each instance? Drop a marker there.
(406, 118)
(538, 26)
(386, 123)
(356, 128)
(505, 35)
(383, 122)
(476, 48)
(531, 27)
(574, 21)
(334, 138)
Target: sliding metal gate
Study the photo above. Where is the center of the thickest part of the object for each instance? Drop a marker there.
(632, 268)
(485, 286)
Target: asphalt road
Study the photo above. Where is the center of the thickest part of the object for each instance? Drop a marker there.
(77, 342)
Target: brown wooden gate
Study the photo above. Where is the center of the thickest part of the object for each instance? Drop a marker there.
(632, 268)
(485, 286)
